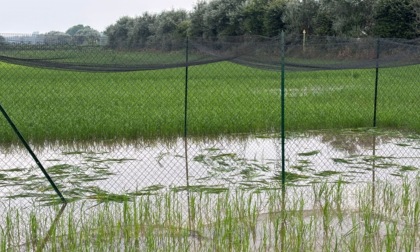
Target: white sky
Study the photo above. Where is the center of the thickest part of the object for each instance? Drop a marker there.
(27, 16)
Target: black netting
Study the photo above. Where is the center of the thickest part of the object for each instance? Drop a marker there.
(301, 53)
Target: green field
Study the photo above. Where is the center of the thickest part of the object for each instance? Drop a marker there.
(223, 98)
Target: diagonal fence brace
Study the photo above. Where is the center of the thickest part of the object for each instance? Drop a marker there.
(34, 157)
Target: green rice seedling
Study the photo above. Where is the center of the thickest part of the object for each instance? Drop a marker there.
(391, 237)
(351, 238)
(410, 215)
(416, 222)
(389, 200)
(127, 221)
(279, 219)
(279, 240)
(5, 237)
(253, 211)
(34, 229)
(406, 195)
(338, 199)
(150, 104)
(370, 221)
(327, 196)
(2, 240)
(297, 224)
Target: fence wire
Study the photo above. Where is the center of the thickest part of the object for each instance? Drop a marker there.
(204, 115)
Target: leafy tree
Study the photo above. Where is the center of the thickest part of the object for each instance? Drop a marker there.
(74, 29)
(300, 15)
(218, 18)
(223, 18)
(416, 7)
(169, 25)
(196, 18)
(183, 28)
(274, 18)
(395, 19)
(2, 40)
(168, 22)
(353, 18)
(324, 24)
(87, 36)
(254, 12)
(363, 17)
(118, 34)
(57, 38)
(141, 30)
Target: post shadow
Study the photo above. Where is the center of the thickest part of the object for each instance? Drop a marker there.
(50, 231)
(283, 219)
(373, 170)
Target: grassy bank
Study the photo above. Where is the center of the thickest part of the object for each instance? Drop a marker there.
(324, 217)
(223, 98)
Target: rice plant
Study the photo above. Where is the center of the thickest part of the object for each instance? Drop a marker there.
(322, 218)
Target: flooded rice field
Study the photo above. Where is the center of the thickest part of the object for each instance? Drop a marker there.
(188, 198)
(106, 169)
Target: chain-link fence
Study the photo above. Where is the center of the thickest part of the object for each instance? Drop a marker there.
(204, 115)
(71, 101)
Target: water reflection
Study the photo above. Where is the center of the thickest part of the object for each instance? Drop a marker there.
(50, 231)
(353, 142)
(115, 170)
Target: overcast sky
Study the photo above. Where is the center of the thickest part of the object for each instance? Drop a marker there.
(27, 16)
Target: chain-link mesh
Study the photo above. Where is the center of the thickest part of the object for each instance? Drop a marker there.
(205, 115)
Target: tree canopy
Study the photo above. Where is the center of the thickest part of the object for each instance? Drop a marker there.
(2, 40)
(57, 38)
(395, 19)
(220, 18)
(74, 29)
(83, 35)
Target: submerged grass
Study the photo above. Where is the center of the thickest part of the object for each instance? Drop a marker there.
(223, 98)
(384, 216)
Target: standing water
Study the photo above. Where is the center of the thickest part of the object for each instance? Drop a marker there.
(86, 170)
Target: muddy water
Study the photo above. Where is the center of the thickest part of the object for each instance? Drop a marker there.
(102, 169)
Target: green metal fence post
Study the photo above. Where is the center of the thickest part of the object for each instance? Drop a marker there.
(187, 176)
(376, 84)
(283, 170)
(186, 112)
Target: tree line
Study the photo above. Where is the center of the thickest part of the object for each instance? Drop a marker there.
(219, 18)
(78, 34)
(222, 18)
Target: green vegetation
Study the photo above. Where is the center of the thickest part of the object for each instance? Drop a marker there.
(224, 18)
(223, 98)
(325, 217)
